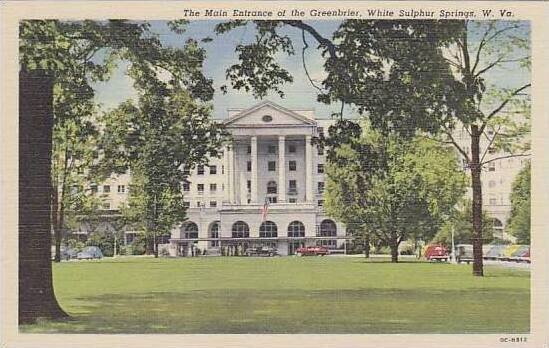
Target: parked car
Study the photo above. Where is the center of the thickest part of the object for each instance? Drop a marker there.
(68, 253)
(495, 252)
(312, 251)
(436, 252)
(464, 253)
(90, 252)
(261, 251)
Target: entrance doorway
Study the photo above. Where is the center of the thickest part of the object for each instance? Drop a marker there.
(293, 245)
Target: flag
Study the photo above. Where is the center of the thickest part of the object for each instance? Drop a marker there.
(264, 210)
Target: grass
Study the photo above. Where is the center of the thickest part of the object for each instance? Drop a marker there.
(286, 295)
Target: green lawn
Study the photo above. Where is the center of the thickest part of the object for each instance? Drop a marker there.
(286, 295)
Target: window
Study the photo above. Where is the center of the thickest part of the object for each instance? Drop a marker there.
(214, 233)
(320, 187)
(292, 189)
(249, 166)
(222, 169)
(291, 148)
(320, 168)
(271, 187)
(320, 130)
(272, 199)
(268, 229)
(93, 188)
(491, 167)
(213, 170)
(240, 230)
(249, 149)
(328, 228)
(186, 171)
(292, 200)
(492, 183)
(200, 170)
(249, 186)
(190, 230)
(271, 166)
(186, 186)
(272, 149)
(267, 118)
(186, 204)
(491, 150)
(213, 187)
(296, 229)
(292, 166)
(106, 206)
(320, 203)
(320, 150)
(121, 188)
(198, 204)
(213, 204)
(106, 188)
(200, 188)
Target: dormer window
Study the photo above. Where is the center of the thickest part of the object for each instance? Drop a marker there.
(267, 118)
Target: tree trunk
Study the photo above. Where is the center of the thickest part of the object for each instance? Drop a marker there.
(36, 294)
(394, 249)
(367, 246)
(477, 201)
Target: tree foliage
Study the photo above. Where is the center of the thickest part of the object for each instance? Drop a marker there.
(519, 221)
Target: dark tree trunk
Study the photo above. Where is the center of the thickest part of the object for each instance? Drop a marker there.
(394, 249)
(36, 294)
(477, 201)
(367, 246)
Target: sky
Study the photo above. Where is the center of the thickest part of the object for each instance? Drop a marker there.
(220, 55)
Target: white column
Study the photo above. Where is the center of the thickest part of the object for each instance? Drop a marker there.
(308, 169)
(281, 169)
(227, 173)
(230, 173)
(254, 169)
(233, 173)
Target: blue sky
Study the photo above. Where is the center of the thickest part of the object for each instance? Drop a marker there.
(220, 55)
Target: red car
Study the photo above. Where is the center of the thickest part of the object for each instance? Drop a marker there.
(312, 251)
(436, 253)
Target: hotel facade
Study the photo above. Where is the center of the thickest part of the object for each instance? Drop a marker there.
(271, 158)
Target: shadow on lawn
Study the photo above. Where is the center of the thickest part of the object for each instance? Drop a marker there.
(246, 311)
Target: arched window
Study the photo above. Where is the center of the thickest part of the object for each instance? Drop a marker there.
(497, 228)
(328, 228)
(271, 187)
(268, 230)
(190, 230)
(214, 230)
(241, 230)
(296, 229)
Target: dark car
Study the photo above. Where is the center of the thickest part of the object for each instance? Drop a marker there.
(261, 251)
(312, 251)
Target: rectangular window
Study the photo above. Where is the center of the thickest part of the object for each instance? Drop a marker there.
(200, 188)
(186, 186)
(320, 149)
(213, 187)
(249, 186)
(200, 170)
(121, 188)
(213, 170)
(93, 188)
(213, 204)
(320, 130)
(292, 187)
(320, 202)
(272, 149)
(320, 168)
(249, 149)
(271, 166)
(292, 166)
(222, 169)
(198, 204)
(321, 187)
(186, 171)
(292, 200)
(491, 167)
(106, 188)
(186, 204)
(291, 148)
(271, 199)
(249, 166)
(106, 206)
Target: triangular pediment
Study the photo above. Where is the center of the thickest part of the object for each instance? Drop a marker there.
(267, 113)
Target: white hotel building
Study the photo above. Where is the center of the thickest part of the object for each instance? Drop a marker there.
(271, 157)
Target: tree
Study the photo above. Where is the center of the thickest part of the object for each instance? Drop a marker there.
(519, 221)
(461, 223)
(411, 76)
(67, 57)
(393, 189)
